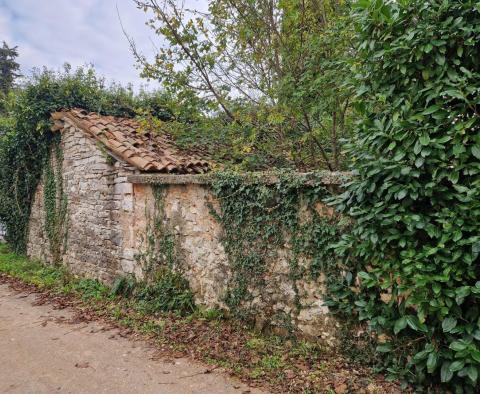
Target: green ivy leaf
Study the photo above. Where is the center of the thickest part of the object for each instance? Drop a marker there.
(472, 373)
(419, 162)
(432, 361)
(440, 59)
(424, 139)
(431, 110)
(453, 93)
(401, 194)
(476, 354)
(476, 151)
(458, 346)
(415, 324)
(456, 366)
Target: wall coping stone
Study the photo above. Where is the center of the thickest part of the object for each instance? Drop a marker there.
(326, 177)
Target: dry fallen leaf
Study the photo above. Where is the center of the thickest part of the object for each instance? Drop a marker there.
(341, 388)
(84, 364)
(290, 374)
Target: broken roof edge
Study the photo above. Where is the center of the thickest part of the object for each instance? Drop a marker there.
(333, 178)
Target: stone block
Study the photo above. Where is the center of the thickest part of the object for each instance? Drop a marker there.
(123, 188)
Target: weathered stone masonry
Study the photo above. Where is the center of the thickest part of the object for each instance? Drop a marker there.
(100, 204)
(110, 204)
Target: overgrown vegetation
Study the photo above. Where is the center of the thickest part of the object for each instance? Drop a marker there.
(259, 219)
(26, 142)
(267, 76)
(48, 276)
(415, 200)
(165, 288)
(259, 360)
(55, 203)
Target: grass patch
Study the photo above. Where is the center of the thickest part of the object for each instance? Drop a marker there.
(31, 272)
(48, 277)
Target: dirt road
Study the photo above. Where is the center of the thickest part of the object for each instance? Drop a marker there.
(40, 352)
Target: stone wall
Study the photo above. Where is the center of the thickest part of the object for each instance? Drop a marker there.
(100, 202)
(186, 215)
(202, 258)
(108, 217)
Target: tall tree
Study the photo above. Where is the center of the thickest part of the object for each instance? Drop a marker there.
(274, 67)
(8, 67)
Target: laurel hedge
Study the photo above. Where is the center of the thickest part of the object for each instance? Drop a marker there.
(413, 253)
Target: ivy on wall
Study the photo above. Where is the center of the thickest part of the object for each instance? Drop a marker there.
(160, 248)
(164, 287)
(259, 219)
(55, 203)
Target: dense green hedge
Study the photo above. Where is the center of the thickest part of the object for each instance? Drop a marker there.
(416, 200)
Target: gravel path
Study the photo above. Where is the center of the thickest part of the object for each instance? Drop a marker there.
(42, 352)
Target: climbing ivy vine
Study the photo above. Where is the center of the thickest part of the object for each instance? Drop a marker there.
(261, 217)
(55, 203)
(164, 287)
(159, 243)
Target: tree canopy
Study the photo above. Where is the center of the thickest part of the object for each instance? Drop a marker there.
(276, 70)
(9, 68)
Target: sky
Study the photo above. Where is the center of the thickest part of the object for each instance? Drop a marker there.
(52, 32)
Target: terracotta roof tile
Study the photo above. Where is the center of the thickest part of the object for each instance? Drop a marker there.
(147, 151)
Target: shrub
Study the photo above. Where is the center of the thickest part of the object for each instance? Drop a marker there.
(415, 243)
(167, 291)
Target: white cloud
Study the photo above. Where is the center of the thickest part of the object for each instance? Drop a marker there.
(52, 32)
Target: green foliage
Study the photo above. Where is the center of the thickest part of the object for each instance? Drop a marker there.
(160, 249)
(26, 139)
(166, 291)
(413, 253)
(258, 219)
(165, 288)
(124, 286)
(49, 277)
(55, 203)
(8, 69)
(29, 271)
(163, 291)
(267, 76)
(89, 289)
(209, 314)
(317, 56)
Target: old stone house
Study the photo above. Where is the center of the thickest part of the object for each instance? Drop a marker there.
(108, 170)
(99, 152)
